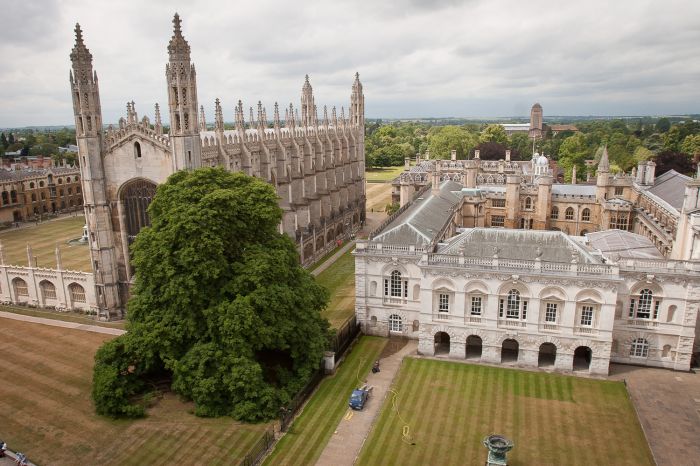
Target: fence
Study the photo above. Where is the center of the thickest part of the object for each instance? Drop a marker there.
(258, 450)
(339, 343)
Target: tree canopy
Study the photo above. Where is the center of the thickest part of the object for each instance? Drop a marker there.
(220, 304)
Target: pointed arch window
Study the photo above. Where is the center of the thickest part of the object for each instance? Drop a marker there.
(586, 215)
(555, 213)
(137, 150)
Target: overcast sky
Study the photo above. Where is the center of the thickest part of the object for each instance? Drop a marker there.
(474, 58)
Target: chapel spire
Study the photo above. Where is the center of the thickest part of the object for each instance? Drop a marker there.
(308, 107)
(604, 164)
(84, 89)
(178, 48)
(218, 116)
(357, 103)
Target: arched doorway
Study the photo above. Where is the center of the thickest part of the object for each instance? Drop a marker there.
(474, 347)
(442, 343)
(582, 358)
(509, 351)
(547, 356)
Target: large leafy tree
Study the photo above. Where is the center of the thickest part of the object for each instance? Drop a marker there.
(220, 303)
(447, 138)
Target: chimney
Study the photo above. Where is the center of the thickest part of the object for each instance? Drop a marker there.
(476, 154)
(417, 159)
(453, 154)
(508, 155)
(573, 175)
(435, 188)
(407, 163)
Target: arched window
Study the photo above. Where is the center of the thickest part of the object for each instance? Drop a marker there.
(43, 196)
(48, 290)
(137, 196)
(70, 191)
(60, 181)
(137, 150)
(77, 293)
(512, 306)
(68, 179)
(569, 214)
(639, 348)
(395, 287)
(644, 306)
(41, 184)
(13, 196)
(78, 189)
(20, 287)
(528, 203)
(77, 178)
(555, 213)
(31, 185)
(586, 215)
(395, 323)
(33, 197)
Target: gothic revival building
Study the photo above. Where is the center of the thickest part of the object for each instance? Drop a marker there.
(316, 167)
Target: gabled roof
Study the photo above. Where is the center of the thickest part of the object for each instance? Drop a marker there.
(552, 246)
(670, 187)
(623, 244)
(424, 218)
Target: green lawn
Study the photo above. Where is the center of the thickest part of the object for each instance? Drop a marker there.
(383, 174)
(46, 410)
(310, 432)
(552, 419)
(339, 279)
(43, 239)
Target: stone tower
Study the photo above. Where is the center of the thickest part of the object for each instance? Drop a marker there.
(88, 124)
(536, 121)
(603, 177)
(357, 103)
(182, 101)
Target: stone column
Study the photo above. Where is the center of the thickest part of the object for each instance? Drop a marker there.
(564, 361)
(458, 350)
(426, 345)
(527, 357)
(491, 354)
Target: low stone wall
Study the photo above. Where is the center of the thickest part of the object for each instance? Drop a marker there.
(48, 288)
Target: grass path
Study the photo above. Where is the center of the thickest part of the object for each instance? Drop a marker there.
(339, 279)
(46, 409)
(552, 419)
(378, 196)
(383, 174)
(43, 239)
(309, 434)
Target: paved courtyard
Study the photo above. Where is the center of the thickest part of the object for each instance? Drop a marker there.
(668, 404)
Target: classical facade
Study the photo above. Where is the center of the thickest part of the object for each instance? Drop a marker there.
(27, 194)
(470, 271)
(316, 166)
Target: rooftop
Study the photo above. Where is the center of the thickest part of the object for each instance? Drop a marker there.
(549, 246)
(670, 187)
(623, 244)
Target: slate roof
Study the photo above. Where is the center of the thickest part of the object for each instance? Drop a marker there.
(19, 175)
(574, 189)
(623, 244)
(670, 187)
(424, 219)
(554, 246)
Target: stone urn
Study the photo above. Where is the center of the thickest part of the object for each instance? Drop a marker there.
(498, 446)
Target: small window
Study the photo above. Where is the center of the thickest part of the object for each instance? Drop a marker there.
(395, 323)
(569, 214)
(443, 302)
(639, 348)
(586, 215)
(33, 197)
(619, 190)
(41, 184)
(498, 220)
(31, 185)
(68, 179)
(476, 306)
(586, 316)
(137, 150)
(498, 202)
(550, 313)
(528, 203)
(70, 191)
(78, 189)
(513, 305)
(555, 213)
(60, 181)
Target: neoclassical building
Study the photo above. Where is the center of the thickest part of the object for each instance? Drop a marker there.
(316, 166)
(477, 279)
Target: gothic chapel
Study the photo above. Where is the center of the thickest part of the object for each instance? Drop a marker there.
(316, 167)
